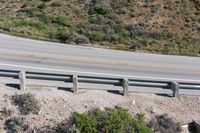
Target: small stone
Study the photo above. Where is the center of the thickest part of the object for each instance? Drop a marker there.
(133, 102)
(65, 100)
(101, 108)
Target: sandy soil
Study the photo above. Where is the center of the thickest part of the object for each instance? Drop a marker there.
(58, 105)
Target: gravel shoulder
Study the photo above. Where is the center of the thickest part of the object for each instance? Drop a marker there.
(58, 105)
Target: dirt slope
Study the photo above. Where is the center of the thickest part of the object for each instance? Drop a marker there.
(58, 105)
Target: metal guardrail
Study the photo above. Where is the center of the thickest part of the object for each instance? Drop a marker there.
(75, 79)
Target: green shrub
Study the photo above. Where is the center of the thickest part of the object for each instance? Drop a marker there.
(50, 19)
(116, 120)
(110, 120)
(168, 5)
(80, 39)
(24, 1)
(63, 36)
(39, 26)
(56, 4)
(85, 123)
(15, 125)
(99, 9)
(42, 5)
(46, 0)
(60, 20)
(115, 38)
(44, 17)
(30, 12)
(97, 36)
(122, 31)
(123, 10)
(19, 23)
(93, 19)
(27, 103)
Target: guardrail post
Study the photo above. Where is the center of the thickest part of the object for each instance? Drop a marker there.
(22, 80)
(125, 86)
(175, 89)
(75, 83)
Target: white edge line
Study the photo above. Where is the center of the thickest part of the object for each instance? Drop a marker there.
(117, 75)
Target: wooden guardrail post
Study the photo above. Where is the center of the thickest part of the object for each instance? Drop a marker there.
(125, 86)
(22, 80)
(175, 89)
(75, 83)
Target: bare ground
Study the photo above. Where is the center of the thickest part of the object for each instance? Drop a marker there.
(58, 105)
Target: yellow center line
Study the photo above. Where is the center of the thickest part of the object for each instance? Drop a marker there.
(97, 61)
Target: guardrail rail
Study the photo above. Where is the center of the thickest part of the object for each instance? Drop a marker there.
(75, 79)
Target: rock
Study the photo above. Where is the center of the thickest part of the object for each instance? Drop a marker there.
(133, 102)
(93, 101)
(65, 100)
(101, 108)
(194, 127)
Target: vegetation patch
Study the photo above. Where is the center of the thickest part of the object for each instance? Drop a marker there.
(165, 26)
(15, 125)
(110, 120)
(56, 4)
(27, 103)
(164, 124)
(5, 112)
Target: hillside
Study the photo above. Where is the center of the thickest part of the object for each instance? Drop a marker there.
(158, 26)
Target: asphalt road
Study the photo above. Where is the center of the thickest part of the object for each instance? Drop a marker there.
(26, 53)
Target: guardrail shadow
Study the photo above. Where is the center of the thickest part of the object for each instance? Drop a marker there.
(15, 86)
(163, 95)
(65, 89)
(115, 92)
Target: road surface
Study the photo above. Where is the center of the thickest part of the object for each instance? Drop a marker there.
(21, 53)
